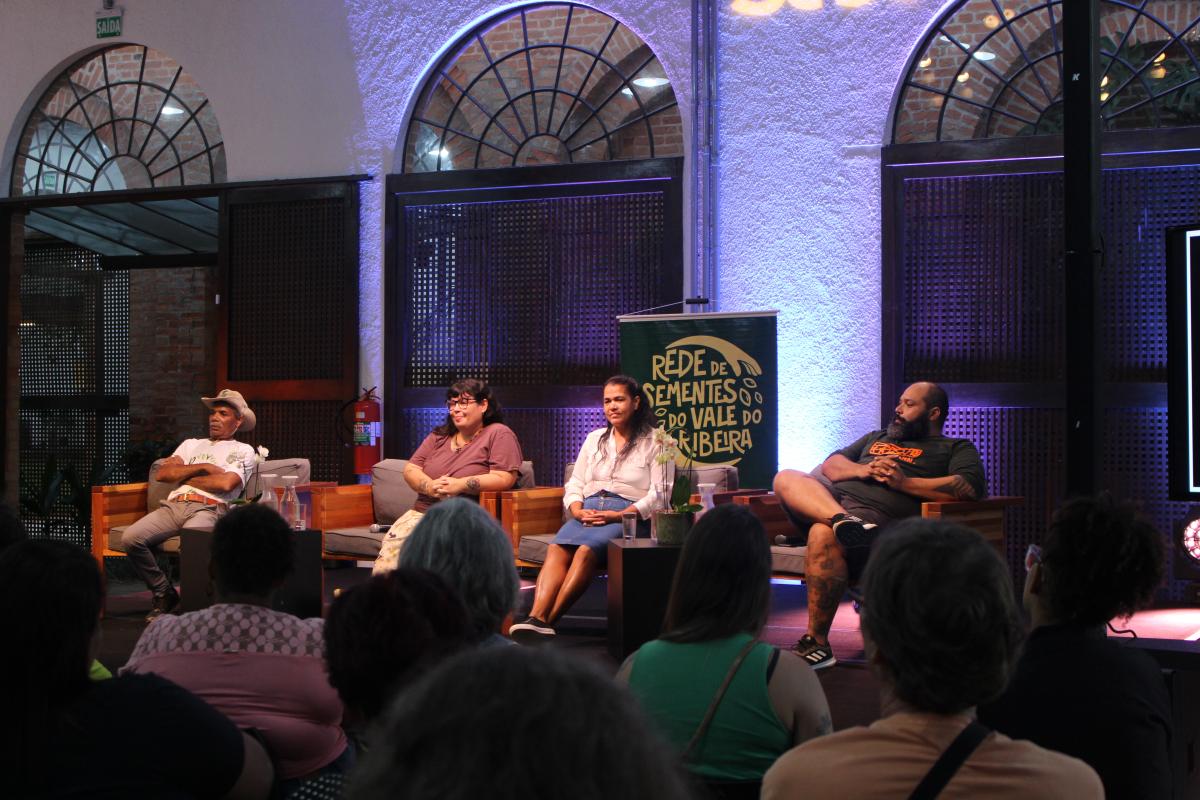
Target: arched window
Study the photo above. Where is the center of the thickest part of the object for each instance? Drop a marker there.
(124, 117)
(545, 84)
(993, 69)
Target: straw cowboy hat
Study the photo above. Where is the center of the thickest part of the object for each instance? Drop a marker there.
(238, 403)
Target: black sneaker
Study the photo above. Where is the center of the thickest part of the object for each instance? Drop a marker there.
(531, 630)
(815, 654)
(852, 531)
(163, 604)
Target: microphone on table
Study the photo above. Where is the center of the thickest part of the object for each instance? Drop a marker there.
(377, 528)
(789, 541)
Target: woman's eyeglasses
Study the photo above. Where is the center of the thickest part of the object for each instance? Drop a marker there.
(1032, 556)
(459, 402)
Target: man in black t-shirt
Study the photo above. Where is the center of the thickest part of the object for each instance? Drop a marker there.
(884, 476)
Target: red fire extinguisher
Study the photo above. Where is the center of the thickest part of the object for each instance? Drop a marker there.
(368, 432)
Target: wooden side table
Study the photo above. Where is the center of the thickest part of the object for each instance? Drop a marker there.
(301, 594)
(640, 572)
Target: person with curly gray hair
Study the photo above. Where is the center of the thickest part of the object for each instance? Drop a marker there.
(942, 631)
(459, 541)
(516, 723)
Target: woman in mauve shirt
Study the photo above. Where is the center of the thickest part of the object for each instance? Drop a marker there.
(473, 451)
(615, 473)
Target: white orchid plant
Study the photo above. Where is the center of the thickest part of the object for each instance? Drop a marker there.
(260, 455)
(679, 496)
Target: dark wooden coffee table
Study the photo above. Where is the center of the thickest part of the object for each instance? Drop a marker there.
(639, 581)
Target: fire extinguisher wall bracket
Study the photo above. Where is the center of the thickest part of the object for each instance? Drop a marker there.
(368, 432)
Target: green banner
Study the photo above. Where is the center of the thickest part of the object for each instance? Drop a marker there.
(711, 379)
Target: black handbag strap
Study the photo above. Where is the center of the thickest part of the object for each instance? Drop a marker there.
(716, 701)
(948, 763)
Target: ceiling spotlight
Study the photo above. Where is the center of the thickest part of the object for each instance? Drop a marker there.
(1158, 59)
(1158, 73)
(992, 21)
(650, 83)
(1103, 96)
(625, 90)
(963, 77)
(171, 111)
(983, 55)
(925, 62)
(1104, 82)
(1009, 13)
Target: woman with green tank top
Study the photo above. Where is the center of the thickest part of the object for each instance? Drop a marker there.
(719, 602)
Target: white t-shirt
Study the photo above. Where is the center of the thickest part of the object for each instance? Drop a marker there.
(635, 476)
(228, 454)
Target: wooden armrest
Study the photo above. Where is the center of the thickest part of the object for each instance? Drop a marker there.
(114, 505)
(531, 512)
(770, 513)
(968, 506)
(342, 506)
(489, 501)
(985, 516)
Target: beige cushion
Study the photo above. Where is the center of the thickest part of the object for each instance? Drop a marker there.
(358, 541)
(788, 559)
(533, 548)
(390, 493)
(282, 467)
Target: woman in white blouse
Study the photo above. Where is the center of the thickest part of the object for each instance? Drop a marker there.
(614, 473)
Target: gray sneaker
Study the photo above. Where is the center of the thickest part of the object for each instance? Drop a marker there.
(531, 630)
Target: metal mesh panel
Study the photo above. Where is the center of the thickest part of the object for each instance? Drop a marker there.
(286, 306)
(550, 437)
(1137, 206)
(1135, 466)
(69, 437)
(58, 321)
(115, 334)
(525, 292)
(115, 430)
(1022, 452)
(301, 429)
(983, 287)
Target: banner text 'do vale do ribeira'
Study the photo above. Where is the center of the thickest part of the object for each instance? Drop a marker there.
(712, 382)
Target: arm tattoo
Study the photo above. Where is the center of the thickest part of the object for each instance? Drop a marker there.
(424, 487)
(824, 725)
(958, 487)
(473, 485)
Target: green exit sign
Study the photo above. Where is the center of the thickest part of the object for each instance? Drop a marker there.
(108, 23)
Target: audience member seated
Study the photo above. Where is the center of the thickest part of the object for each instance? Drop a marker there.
(1074, 689)
(717, 608)
(262, 668)
(471, 452)
(516, 723)
(941, 630)
(883, 476)
(68, 736)
(383, 634)
(614, 473)
(460, 542)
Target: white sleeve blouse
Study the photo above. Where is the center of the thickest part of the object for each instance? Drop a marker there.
(635, 476)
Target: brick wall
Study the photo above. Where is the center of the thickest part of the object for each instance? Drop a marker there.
(119, 95)
(171, 349)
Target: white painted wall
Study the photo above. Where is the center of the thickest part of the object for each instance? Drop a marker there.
(314, 87)
(804, 99)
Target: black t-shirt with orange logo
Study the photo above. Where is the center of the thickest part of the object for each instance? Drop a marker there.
(931, 457)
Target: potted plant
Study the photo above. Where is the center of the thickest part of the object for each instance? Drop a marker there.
(671, 524)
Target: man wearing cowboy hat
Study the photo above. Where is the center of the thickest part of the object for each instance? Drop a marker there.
(210, 473)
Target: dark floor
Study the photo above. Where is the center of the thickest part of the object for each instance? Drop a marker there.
(850, 688)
